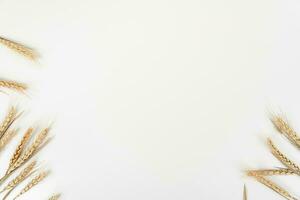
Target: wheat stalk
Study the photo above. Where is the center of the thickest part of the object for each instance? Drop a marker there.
(283, 159)
(55, 197)
(284, 128)
(36, 180)
(245, 193)
(270, 172)
(20, 48)
(20, 87)
(274, 187)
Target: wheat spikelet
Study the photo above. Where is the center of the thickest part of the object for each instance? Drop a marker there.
(55, 197)
(21, 49)
(36, 180)
(21, 177)
(32, 149)
(20, 148)
(245, 193)
(283, 159)
(20, 87)
(284, 128)
(274, 187)
(270, 172)
(8, 120)
(7, 137)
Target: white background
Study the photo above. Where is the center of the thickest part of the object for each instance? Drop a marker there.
(155, 99)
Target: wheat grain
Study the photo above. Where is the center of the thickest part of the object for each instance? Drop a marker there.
(284, 128)
(36, 180)
(20, 87)
(274, 187)
(20, 48)
(283, 159)
(270, 172)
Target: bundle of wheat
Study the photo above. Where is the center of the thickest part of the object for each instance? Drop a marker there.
(289, 166)
(25, 150)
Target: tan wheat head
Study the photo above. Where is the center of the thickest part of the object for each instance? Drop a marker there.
(283, 127)
(13, 85)
(283, 159)
(55, 197)
(19, 48)
(36, 180)
(273, 186)
(270, 172)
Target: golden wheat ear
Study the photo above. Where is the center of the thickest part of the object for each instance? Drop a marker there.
(20, 148)
(8, 136)
(245, 193)
(36, 180)
(19, 48)
(27, 153)
(270, 172)
(55, 197)
(23, 175)
(13, 85)
(273, 186)
(283, 159)
(283, 127)
(9, 119)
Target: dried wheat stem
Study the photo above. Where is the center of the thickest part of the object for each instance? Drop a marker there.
(283, 159)
(274, 187)
(245, 193)
(270, 172)
(33, 183)
(284, 128)
(21, 49)
(55, 197)
(20, 87)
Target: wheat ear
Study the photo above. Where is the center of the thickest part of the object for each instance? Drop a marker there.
(7, 138)
(274, 187)
(8, 120)
(20, 87)
(270, 172)
(20, 148)
(32, 149)
(245, 193)
(283, 159)
(284, 128)
(55, 197)
(36, 180)
(21, 177)
(19, 48)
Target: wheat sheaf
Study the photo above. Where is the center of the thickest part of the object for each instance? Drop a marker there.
(23, 172)
(289, 167)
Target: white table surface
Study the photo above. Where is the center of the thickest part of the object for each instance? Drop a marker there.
(155, 99)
